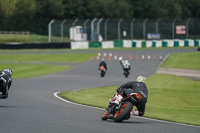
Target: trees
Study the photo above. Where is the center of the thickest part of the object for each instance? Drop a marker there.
(34, 15)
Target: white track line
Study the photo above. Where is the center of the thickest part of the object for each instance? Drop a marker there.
(56, 95)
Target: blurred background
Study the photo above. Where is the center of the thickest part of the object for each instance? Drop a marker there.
(96, 20)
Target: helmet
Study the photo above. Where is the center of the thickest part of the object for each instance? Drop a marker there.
(101, 67)
(120, 58)
(9, 71)
(141, 79)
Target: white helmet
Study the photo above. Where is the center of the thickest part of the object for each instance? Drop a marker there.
(120, 58)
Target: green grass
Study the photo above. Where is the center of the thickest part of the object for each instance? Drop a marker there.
(32, 38)
(170, 98)
(26, 68)
(55, 58)
(183, 61)
(173, 98)
(88, 96)
(21, 71)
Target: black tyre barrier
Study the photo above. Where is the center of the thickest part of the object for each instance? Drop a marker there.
(36, 46)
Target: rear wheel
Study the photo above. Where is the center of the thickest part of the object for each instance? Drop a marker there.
(124, 112)
(102, 73)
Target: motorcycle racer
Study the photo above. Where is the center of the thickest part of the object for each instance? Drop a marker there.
(5, 82)
(103, 63)
(136, 87)
(126, 67)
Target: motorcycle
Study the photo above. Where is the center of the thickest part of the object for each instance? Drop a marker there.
(102, 71)
(121, 112)
(3, 90)
(126, 73)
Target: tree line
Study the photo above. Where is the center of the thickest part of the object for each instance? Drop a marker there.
(34, 15)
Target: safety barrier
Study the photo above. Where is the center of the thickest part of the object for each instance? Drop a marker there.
(105, 44)
(136, 44)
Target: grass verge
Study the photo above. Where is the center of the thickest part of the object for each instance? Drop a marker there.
(55, 58)
(183, 61)
(21, 71)
(170, 98)
(27, 69)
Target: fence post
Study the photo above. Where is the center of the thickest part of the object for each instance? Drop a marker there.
(50, 30)
(85, 23)
(173, 28)
(62, 40)
(187, 27)
(132, 28)
(144, 28)
(157, 21)
(105, 26)
(73, 24)
(98, 28)
(119, 29)
(92, 29)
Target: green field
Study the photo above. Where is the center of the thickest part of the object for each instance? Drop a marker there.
(32, 38)
(30, 65)
(21, 71)
(183, 61)
(53, 58)
(171, 98)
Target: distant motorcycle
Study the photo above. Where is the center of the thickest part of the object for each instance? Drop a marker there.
(126, 73)
(121, 112)
(102, 71)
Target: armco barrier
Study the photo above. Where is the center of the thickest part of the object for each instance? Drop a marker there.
(80, 45)
(106, 44)
(144, 43)
(118, 43)
(95, 45)
(36, 46)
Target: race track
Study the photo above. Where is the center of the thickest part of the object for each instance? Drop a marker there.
(32, 107)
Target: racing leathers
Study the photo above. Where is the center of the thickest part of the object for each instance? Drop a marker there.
(135, 87)
(103, 63)
(5, 83)
(126, 66)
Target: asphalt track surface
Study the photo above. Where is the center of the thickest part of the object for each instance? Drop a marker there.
(32, 108)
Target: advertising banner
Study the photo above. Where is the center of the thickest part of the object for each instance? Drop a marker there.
(152, 36)
(180, 29)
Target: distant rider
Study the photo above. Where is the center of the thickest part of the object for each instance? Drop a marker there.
(5, 82)
(137, 86)
(103, 64)
(125, 65)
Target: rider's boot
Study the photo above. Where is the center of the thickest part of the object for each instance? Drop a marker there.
(3, 96)
(134, 113)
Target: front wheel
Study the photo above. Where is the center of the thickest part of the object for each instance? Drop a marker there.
(104, 115)
(126, 74)
(124, 112)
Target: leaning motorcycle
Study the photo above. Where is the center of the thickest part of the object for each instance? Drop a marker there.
(121, 112)
(102, 71)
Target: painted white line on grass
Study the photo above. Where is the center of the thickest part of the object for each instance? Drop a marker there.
(56, 95)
